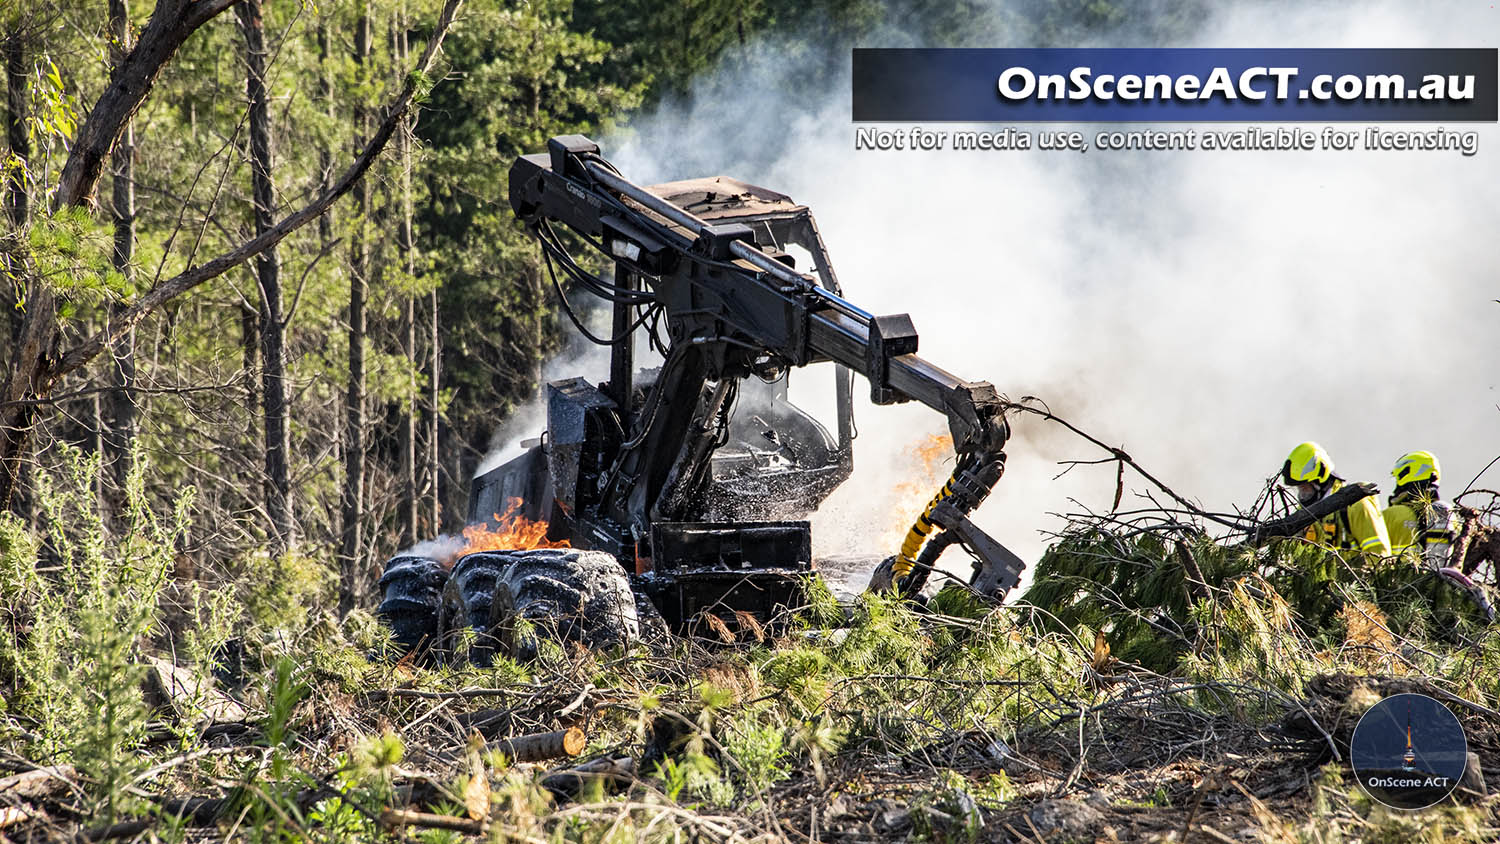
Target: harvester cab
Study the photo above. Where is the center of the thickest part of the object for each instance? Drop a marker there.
(678, 495)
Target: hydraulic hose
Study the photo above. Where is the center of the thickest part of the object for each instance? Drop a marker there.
(911, 546)
(970, 484)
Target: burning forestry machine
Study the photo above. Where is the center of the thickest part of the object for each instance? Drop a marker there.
(680, 491)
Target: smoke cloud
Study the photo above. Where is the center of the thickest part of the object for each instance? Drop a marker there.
(444, 548)
(1206, 311)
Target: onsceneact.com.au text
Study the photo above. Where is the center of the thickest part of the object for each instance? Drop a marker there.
(1255, 83)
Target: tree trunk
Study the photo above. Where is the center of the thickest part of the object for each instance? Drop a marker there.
(30, 335)
(250, 362)
(120, 438)
(409, 412)
(268, 281)
(434, 468)
(352, 505)
(17, 211)
(17, 198)
(325, 155)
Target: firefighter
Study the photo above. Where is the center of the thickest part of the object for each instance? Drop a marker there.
(1358, 527)
(1418, 517)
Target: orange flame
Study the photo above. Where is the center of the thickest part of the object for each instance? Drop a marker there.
(932, 453)
(925, 465)
(515, 533)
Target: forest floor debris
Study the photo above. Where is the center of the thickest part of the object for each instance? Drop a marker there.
(1152, 686)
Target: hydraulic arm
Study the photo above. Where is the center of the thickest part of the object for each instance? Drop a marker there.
(734, 305)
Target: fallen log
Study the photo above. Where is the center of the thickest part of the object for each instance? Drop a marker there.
(123, 829)
(188, 695)
(194, 811)
(542, 746)
(39, 782)
(489, 722)
(615, 774)
(395, 818)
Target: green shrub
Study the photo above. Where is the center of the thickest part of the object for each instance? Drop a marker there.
(74, 668)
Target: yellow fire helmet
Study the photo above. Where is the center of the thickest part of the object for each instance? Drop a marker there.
(1307, 462)
(1416, 466)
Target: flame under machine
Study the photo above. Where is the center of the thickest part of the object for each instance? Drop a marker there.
(684, 488)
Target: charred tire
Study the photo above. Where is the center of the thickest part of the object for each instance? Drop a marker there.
(563, 594)
(465, 606)
(653, 628)
(411, 590)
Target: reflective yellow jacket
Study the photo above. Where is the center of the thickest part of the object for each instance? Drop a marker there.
(1414, 521)
(1358, 527)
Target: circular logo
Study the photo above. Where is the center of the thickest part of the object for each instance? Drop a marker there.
(1408, 751)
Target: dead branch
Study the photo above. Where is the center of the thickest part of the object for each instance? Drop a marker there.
(1297, 522)
(1475, 480)
(40, 782)
(149, 391)
(1453, 698)
(577, 702)
(397, 818)
(375, 695)
(1124, 458)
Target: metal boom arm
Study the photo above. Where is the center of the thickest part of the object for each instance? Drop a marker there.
(734, 308)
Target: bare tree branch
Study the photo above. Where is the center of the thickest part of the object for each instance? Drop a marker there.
(194, 276)
(1025, 406)
(172, 21)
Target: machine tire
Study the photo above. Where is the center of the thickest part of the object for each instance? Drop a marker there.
(412, 587)
(654, 631)
(513, 598)
(564, 594)
(465, 606)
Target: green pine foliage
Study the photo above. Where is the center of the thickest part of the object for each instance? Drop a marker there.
(84, 599)
(1144, 593)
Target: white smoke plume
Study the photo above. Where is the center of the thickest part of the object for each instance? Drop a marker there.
(1206, 311)
(580, 358)
(445, 549)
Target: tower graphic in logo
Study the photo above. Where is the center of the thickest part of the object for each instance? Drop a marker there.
(1409, 760)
